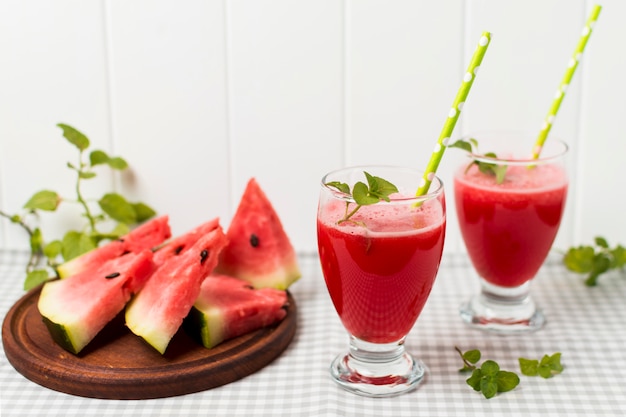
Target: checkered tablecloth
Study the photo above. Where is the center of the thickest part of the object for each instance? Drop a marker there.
(588, 325)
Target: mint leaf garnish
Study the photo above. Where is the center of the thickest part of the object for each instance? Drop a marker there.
(377, 189)
(547, 367)
(488, 379)
(594, 260)
(471, 145)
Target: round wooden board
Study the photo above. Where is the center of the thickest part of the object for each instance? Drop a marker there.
(119, 365)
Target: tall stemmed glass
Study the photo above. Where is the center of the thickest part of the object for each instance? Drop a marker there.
(379, 262)
(509, 209)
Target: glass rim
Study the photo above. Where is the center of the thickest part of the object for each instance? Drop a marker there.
(434, 191)
(541, 160)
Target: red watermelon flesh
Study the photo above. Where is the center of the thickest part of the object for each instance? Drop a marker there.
(158, 310)
(228, 307)
(258, 250)
(146, 236)
(180, 244)
(77, 308)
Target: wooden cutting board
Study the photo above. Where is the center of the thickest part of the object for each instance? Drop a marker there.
(119, 365)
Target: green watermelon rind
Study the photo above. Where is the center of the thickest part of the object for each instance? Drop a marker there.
(205, 326)
(62, 335)
(280, 278)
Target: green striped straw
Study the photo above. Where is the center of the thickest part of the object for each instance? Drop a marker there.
(569, 73)
(455, 111)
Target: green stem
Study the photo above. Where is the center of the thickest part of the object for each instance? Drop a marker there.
(80, 199)
(348, 215)
(35, 256)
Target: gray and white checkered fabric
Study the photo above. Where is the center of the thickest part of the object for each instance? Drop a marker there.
(588, 325)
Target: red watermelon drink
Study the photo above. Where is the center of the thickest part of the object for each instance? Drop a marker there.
(379, 263)
(508, 228)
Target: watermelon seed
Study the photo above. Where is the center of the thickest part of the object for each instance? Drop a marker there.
(254, 240)
(203, 255)
(179, 249)
(113, 275)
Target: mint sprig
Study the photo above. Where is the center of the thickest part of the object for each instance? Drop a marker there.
(376, 190)
(111, 207)
(547, 367)
(594, 260)
(470, 145)
(488, 379)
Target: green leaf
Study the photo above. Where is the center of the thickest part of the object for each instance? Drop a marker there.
(380, 187)
(43, 200)
(550, 365)
(500, 171)
(98, 157)
(528, 366)
(53, 249)
(579, 259)
(75, 137)
(118, 208)
(490, 367)
(362, 196)
(143, 212)
(506, 381)
(601, 242)
(34, 278)
(489, 386)
(75, 244)
(462, 144)
(342, 187)
(619, 257)
(474, 380)
(546, 368)
(117, 163)
(472, 356)
(120, 229)
(86, 174)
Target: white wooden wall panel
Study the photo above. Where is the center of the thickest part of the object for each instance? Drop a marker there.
(601, 200)
(200, 96)
(52, 70)
(168, 86)
(404, 68)
(285, 95)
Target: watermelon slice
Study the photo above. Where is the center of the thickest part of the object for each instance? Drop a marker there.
(146, 236)
(258, 250)
(158, 310)
(183, 242)
(77, 308)
(228, 307)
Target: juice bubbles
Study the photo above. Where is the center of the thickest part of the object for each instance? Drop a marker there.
(509, 228)
(380, 266)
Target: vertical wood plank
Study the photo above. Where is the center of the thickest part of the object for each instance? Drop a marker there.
(601, 199)
(169, 106)
(404, 69)
(53, 70)
(285, 80)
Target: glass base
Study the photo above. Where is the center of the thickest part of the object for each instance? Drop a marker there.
(377, 370)
(503, 310)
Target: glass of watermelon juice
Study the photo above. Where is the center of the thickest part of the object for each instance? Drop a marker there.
(509, 227)
(379, 267)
